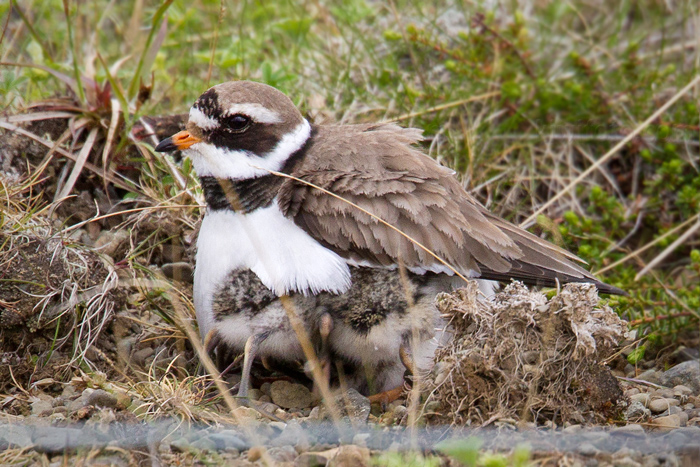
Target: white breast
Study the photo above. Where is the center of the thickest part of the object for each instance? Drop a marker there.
(282, 255)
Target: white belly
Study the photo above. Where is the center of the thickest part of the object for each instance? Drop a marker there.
(283, 256)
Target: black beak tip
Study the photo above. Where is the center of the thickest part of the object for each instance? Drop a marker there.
(166, 145)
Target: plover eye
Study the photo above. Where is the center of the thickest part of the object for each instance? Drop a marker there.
(237, 123)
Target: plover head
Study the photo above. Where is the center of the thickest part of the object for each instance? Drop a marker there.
(240, 130)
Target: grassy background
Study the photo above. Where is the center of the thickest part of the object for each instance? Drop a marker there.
(518, 97)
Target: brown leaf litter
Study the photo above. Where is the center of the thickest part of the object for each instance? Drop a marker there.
(523, 357)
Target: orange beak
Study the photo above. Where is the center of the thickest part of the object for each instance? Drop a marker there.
(177, 142)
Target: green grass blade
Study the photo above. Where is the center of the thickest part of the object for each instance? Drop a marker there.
(148, 55)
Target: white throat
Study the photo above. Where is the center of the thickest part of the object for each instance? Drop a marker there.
(212, 161)
(282, 255)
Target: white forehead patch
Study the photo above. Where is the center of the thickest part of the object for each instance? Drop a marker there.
(257, 112)
(201, 120)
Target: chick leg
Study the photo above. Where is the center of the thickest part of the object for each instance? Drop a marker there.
(325, 354)
(407, 358)
(252, 346)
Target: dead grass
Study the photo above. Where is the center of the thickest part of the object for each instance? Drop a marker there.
(522, 357)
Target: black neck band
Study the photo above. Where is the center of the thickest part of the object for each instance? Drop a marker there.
(250, 194)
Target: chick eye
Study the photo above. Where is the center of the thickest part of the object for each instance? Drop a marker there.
(237, 123)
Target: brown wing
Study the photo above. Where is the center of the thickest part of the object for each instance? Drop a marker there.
(377, 168)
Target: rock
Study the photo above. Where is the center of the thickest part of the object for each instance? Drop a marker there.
(101, 398)
(41, 405)
(228, 440)
(255, 394)
(16, 436)
(290, 396)
(180, 271)
(139, 357)
(685, 374)
(311, 459)
(681, 390)
(282, 454)
(683, 418)
(109, 242)
(255, 453)
(643, 398)
(204, 444)
(587, 449)
(666, 423)
(352, 405)
(54, 441)
(575, 428)
(632, 392)
(350, 456)
(636, 411)
(292, 435)
(651, 376)
(632, 429)
(662, 405)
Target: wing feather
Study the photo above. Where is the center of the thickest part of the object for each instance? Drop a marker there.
(378, 168)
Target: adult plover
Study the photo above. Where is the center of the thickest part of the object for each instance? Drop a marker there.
(299, 241)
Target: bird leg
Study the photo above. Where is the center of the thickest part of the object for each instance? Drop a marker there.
(325, 354)
(252, 346)
(407, 358)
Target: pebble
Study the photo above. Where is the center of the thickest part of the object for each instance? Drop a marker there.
(179, 271)
(642, 398)
(666, 423)
(290, 396)
(41, 405)
(685, 374)
(630, 429)
(311, 459)
(587, 449)
(101, 398)
(681, 390)
(228, 440)
(255, 453)
(636, 411)
(662, 405)
(109, 242)
(632, 392)
(351, 404)
(350, 456)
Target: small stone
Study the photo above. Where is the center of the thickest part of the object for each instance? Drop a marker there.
(282, 454)
(228, 440)
(255, 453)
(662, 405)
(683, 418)
(681, 390)
(631, 429)
(139, 357)
(666, 393)
(265, 398)
(587, 449)
(636, 411)
(101, 398)
(109, 242)
(265, 388)
(311, 459)
(685, 374)
(666, 423)
(41, 405)
(255, 394)
(350, 456)
(352, 404)
(180, 271)
(632, 392)
(290, 396)
(204, 444)
(643, 398)
(575, 428)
